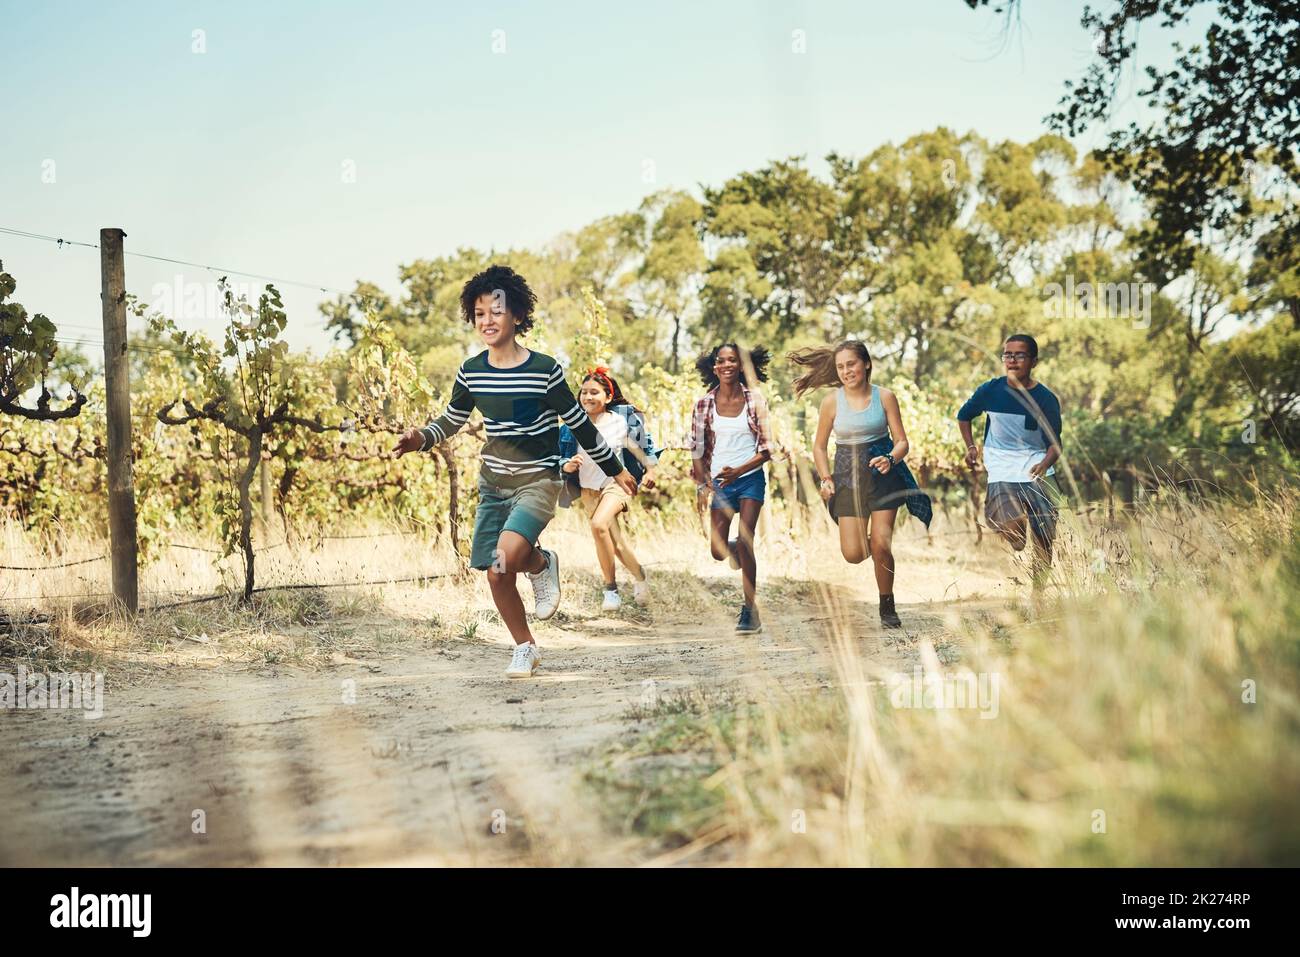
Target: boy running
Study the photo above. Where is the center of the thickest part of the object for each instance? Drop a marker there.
(522, 396)
(1022, 440)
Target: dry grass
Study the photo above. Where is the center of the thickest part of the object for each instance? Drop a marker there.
(63, 617)
(1125, 731)
(1121, 736)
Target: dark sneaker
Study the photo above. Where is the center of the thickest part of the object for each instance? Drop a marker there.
(888, 616)
(748, 623)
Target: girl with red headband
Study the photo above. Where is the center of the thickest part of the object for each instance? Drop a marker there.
(624, 431)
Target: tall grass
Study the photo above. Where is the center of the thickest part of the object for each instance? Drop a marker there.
(1146, 714)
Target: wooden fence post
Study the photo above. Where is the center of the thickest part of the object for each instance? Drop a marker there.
(117, 388)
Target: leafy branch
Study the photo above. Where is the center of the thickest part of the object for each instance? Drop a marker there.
(250, 388)
(27, 348)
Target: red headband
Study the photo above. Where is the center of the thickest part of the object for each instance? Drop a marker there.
(601, 373)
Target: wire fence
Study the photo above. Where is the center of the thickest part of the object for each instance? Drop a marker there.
(217, 551)
(162, 347)
(200, 599)
(6, 622)
(216, 270)
(982, 529)
(83, 336)
(46, 568)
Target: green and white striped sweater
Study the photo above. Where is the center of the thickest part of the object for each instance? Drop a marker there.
(521, 408)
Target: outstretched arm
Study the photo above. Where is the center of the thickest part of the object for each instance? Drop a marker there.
(444, 426)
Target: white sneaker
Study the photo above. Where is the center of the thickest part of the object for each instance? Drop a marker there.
(612, 602)
(641, 592)
(524, 661)
(546, 587)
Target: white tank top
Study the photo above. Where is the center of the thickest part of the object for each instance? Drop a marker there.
(733, 443)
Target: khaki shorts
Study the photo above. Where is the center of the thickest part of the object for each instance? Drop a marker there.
(591, 498)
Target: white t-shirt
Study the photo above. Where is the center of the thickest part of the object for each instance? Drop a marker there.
(733, 443)
(613, 428)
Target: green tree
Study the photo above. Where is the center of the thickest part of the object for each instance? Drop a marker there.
(671, 272)
(781, 259)
(1226, 101)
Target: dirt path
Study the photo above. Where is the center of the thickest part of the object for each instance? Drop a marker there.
(436, 750)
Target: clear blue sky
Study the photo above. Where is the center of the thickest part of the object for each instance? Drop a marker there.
(234, 156)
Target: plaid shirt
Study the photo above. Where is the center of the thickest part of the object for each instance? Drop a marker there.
(702, 431)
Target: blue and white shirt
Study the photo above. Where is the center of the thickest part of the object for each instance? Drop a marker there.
(1021, 426)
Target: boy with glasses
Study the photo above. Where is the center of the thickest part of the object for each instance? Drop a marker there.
(1022, 441)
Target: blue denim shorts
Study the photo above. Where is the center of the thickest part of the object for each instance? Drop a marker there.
(753, 485)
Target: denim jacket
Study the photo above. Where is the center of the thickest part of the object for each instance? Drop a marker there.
(637, 434)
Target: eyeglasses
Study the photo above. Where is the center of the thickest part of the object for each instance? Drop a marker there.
(1015, 356)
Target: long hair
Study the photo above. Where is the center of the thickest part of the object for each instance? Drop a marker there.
(819, 364)
(758, 358)
(601, 375)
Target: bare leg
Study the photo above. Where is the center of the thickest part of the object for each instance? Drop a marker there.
(606, 516)
(600, 533)
(1012, 531)
(719, 529)
(882, 553)
(514, 554)
(1042, 567)
(749, 510)
(853, 539)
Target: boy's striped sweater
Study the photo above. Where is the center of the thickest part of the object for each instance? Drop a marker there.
(521, 409)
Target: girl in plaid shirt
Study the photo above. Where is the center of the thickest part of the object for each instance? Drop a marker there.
(730, 441)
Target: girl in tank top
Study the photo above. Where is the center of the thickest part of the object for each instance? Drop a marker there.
(864, 487)
(729, 444)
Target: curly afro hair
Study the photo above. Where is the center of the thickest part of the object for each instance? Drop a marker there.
(504, 282)
(759, 357)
